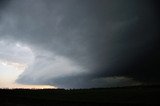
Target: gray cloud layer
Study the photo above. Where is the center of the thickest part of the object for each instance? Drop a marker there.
(89, 39)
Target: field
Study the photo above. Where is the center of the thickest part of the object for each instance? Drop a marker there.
(138, 95)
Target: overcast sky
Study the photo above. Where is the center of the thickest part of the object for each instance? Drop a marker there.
(79, 43)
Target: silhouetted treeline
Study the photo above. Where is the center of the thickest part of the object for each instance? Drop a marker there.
(135, 95)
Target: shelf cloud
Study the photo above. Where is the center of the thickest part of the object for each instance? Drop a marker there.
(82, 43)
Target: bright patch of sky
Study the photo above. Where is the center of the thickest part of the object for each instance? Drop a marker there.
(14, 59)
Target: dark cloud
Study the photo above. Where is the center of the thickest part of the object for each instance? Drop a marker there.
(3, 3)
(103, 38)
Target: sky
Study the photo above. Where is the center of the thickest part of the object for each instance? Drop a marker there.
(79, 43)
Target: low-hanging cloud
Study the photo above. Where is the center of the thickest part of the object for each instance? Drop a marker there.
(81, 39)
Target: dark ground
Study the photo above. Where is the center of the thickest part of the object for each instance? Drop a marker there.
(129, 96)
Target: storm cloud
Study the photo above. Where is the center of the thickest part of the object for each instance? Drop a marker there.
(85, 43)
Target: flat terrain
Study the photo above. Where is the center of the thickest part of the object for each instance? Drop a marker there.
(139, 95)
